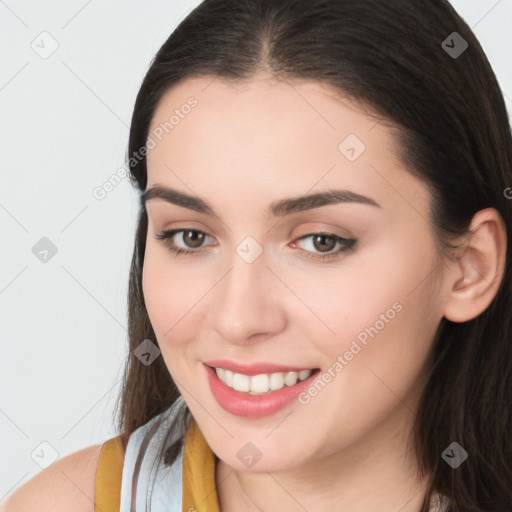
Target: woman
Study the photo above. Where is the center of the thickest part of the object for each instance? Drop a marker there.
(319, 302)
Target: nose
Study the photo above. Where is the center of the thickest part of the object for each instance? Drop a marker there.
(248, 302)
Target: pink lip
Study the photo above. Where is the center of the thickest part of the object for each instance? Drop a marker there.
(253, 368)
(254, 406)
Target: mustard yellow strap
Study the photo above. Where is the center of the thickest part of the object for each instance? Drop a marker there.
(109, 472)
(198, 491)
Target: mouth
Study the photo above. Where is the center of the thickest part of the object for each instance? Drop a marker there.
(256, 395)
(261, 383)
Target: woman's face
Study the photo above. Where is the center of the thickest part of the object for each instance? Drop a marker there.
(255, 289)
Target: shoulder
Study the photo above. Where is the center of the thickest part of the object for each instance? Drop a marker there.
(67, 484)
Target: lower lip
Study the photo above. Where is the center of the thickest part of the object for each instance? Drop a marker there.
(254, 406)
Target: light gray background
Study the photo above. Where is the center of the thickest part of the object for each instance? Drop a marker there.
(64, 132)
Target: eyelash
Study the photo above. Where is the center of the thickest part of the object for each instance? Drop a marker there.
(349, 243)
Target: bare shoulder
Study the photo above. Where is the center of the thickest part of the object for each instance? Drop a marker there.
(67, 484)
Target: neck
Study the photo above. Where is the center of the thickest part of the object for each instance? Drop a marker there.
(372, 475)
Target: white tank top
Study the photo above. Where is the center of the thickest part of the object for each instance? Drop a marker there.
(147, 484)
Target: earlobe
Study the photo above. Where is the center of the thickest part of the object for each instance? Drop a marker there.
(479, 271)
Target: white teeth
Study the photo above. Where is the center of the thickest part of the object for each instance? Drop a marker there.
(241, 382)
(291, 378)
(228, 378)
(276, 381)
(304, 374)
(262, 383)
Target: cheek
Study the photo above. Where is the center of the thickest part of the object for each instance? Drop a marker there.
(367, 291)
(385, 316)
(165, 296)
(174, 299)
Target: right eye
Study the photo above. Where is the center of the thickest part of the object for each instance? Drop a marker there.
(190, 236)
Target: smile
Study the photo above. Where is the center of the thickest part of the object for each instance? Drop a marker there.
(260, 384)
(258, 394)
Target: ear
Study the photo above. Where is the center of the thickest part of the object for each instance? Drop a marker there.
(479, 271)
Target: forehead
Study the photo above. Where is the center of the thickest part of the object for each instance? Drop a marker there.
(292, 136)
(261, 107)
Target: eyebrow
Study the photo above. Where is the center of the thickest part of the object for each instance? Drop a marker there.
(278, 208)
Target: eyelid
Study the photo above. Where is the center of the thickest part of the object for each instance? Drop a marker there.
(313, 228)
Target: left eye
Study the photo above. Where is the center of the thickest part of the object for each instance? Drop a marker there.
(193, 239)
(325, 242)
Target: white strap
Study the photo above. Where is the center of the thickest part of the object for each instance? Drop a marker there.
(148, 485)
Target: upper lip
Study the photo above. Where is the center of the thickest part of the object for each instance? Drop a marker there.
(254, 368)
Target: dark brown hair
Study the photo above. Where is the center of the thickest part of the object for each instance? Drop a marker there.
(453, 133)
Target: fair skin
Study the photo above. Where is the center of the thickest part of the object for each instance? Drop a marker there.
(240, 149)
(67, 484)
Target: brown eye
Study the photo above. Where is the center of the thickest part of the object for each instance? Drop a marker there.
(193, 238)
(324, 243)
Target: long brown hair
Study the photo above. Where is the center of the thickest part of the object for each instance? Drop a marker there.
(453, 133)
